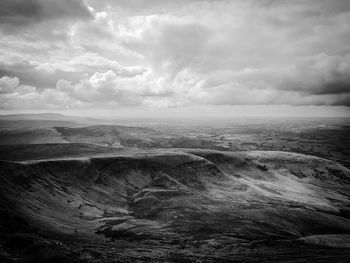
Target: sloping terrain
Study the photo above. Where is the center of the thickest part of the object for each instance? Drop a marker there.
(108, 135)
(98, 134)
(105, 135)
(23, 152)
(44, 120)
(182, 206)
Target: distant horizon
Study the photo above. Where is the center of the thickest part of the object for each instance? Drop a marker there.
(202, 112)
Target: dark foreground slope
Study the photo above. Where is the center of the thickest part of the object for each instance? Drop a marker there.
(178, 206)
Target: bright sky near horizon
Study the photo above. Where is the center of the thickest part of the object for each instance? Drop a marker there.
(159, 57)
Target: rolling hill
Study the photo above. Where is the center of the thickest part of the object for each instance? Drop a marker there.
(105, 135)
(180, 205)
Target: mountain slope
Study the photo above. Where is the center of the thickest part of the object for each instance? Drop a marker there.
(191, 204)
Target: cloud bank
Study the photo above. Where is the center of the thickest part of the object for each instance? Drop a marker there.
(74, 54)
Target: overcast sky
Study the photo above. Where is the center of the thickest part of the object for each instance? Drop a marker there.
(117, 55)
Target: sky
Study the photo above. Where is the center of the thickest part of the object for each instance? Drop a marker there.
(184, 57)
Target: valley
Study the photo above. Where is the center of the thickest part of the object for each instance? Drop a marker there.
(122, 193)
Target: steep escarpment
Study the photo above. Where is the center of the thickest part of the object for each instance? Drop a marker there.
(65, 194)
(194, 202)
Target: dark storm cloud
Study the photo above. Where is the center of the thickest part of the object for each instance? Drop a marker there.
(18, 13)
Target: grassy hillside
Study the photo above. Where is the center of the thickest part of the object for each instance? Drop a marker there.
(182, 205)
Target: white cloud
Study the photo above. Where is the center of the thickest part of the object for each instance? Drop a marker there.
(14, 95)
(108, 86)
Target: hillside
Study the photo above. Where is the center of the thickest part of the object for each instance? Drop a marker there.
(179, 205)
(23, 152)
(105, 135)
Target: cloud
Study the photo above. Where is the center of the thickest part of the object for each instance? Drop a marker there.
(8, 83)
(110, 87)
(23, 13)
(88, 63)
(166, 54)
(314, 80)
(14, 95)
(168, 43)
(45, 74)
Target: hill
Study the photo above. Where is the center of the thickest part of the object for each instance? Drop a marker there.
(181, 205)
(105, 135)
(37, 116)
